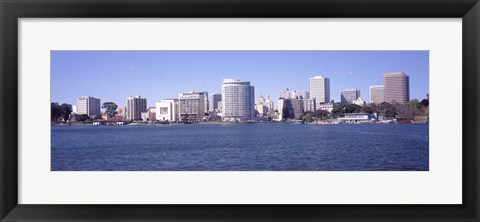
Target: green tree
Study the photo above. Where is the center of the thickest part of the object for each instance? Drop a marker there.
(55, 111)
(321, 114)
(352, 108)
(110, 108)
(82, 118)
(287, 111)
(414, 103)
(307, 116)
(66, 110)
(424, 103)
(338, 110)
(370, 108)
(406, 111)
(387, 110)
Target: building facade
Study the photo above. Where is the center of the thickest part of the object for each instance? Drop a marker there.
(349, 95)
(309, 105)
(150, 114)
(357, 118)
(325, 106)
(360, 102)
(205, 96)
(214, 99)
(263, 106)
(88, 105)
(294, 108)
(136, 105)
(294, 94)
(396, 87)
(238, 100)
(122, 112)
(320, 89)
(191, 106)
(376, 94)
(167, 110)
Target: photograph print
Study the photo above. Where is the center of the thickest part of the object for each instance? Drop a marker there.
(239, 110)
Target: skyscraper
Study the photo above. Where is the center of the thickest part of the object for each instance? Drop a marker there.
(214, 99)
(192, 106)
(349, 95)
(238, 100)
(88, 105)
(320, 89)
(205, 96)
(396, 87)
(376, 94)
(135, 106)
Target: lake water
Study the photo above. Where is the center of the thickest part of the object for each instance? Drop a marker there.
(241, 147)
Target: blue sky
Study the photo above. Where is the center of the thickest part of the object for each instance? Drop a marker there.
(155, 75)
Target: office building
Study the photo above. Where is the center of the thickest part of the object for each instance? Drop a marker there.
(376, 94)
(167, 110)
(302, 94)
(293, 94)
(150, 114)
(320, 89)
(285, 93)
(325, 106)
(268, 103)
(238, 100)
(349, 95)
(136, 105)
(309, 105)
(294, 108)
(88, 105)
(214, 99)
(396, 87)
(191, 106)
(263, 105)
(205, 95)
(122, 112)
(359, 102)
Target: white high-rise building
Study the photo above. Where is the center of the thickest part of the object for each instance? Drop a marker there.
(238, 100)
(320, 89)
(167, 110)
(136, 105)
(376, 94)
(88, 105)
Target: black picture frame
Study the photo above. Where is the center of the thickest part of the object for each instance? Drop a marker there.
(12, 10)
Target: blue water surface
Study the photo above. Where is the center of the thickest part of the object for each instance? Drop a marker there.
(241, 147)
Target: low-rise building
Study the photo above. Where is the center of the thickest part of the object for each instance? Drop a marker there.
(149, 115)
(357, 118)
(263, 106)
(167, 110)
(359, 102)
(325, 106)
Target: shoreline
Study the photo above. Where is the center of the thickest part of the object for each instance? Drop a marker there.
(238, 123)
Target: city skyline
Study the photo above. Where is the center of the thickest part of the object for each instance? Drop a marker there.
(157, 75)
